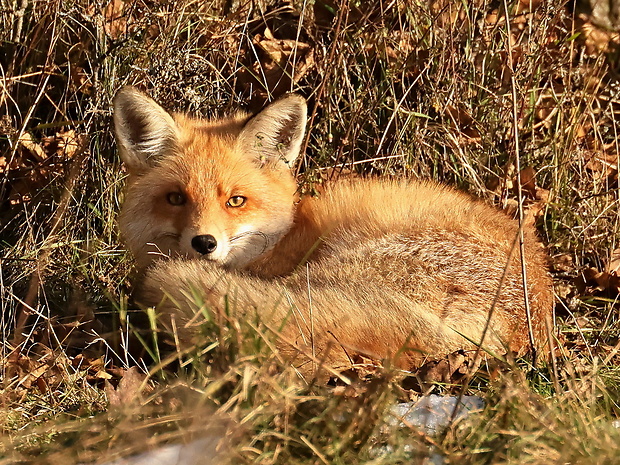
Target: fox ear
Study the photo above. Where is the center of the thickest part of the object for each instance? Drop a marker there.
(144, 130)
(274, 136)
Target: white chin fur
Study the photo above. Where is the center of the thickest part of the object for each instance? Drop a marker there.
(232, 252)
(229, 257)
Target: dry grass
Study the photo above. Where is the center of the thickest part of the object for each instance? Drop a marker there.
(433, 89)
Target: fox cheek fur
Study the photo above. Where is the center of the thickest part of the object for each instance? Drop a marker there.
(221, 190)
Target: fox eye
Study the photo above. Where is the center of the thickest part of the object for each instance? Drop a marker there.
(236, 201)
(175, 198)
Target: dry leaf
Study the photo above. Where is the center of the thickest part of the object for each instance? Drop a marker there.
(405, 45)
(350, 390)
(102, 374)
(534, 199)
(462, 120)
(597, 40)
(602, 166)
(115, 24)
(524, 6)
(563, 262)
(453, 14)
(64, 144)
(45, 371)
(614, 263)
(6, 126)
(605, 281)
(449, 370)
(35, 149)
(528, 182)
(35, 164)
(80, 79)
(129, 389)
(281, 63)
(583, 322)
(592, 281)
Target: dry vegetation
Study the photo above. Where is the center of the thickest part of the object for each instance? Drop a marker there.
(443, 89)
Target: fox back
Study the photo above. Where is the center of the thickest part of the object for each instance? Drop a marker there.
(407, 267)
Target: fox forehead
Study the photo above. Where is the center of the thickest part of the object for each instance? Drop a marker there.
(207, 164)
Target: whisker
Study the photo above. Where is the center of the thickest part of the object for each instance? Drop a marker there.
(174, 236)
(267, 239)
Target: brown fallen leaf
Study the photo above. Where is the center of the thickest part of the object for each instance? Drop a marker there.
(64, 144)
(602, 166)
(449, 370)
(80, 79)
(35, 149)
(281, 63)
(7, 128)
(597, 40)
(592, 281)
(462, 119)
(524, 6)
(35, 164)
(529, 187)
(614, 263)
(535, 198)
(41, 371)
(452, 14)
(115, 23)
(129, 389)
(528, 182)
(563, 262)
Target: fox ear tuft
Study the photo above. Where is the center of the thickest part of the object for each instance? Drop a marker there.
(273, 137)
(144, 130)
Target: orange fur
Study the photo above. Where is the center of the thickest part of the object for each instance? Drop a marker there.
(366, 268)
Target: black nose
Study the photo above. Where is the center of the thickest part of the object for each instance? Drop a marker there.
(204, 244)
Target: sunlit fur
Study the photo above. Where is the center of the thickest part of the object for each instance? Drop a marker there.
(368, 269)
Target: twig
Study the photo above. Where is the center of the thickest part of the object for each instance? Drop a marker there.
(515, 127)
(519, 237)
(477, 354)
(19, 21)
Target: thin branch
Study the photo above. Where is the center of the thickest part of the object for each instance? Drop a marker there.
(515, 127)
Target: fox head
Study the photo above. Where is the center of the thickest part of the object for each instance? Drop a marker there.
(222, 189)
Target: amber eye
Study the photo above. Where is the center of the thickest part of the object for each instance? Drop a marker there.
(236, 201)
(175, 198)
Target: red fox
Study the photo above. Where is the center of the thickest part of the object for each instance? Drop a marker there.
(366, 270)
